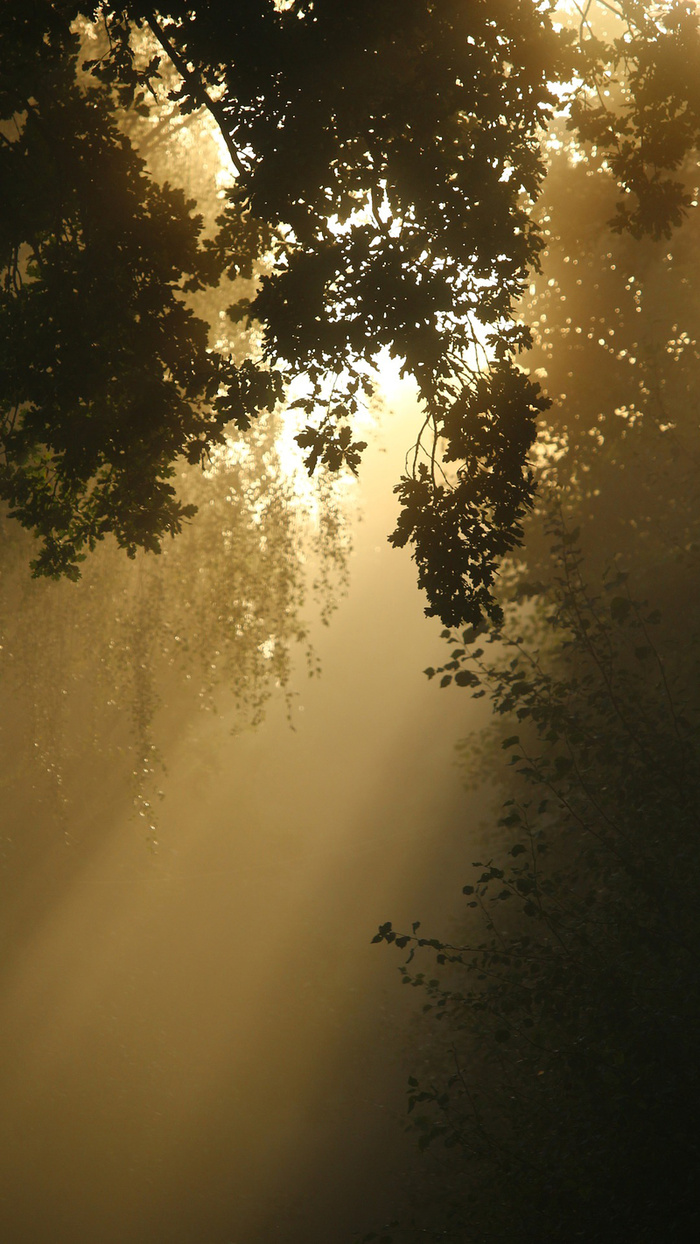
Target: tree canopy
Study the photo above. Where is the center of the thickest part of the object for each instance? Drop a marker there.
(387, 159)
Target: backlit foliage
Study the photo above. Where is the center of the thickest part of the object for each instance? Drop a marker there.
(387, 159)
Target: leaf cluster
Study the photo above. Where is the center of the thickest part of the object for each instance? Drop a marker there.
(639, 106)
(106, 375)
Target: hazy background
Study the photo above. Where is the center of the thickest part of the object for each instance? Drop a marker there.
(199, 1041)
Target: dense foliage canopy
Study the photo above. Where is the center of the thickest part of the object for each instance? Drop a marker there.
(387, 157)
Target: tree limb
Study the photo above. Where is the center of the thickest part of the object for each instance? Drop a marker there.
(197, 92)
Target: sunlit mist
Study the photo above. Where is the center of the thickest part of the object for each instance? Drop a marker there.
(233, 753)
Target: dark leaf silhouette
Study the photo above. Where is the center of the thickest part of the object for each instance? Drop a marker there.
(387, 158)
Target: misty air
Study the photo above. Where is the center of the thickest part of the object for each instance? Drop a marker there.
(349, 657)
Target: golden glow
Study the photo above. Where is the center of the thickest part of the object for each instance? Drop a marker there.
(198, 1035)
